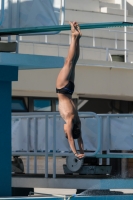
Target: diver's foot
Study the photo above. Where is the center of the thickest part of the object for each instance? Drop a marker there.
(78, 29)
(75, 29)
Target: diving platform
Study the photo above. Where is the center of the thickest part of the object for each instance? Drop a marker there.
(27, 61)
(58, 28)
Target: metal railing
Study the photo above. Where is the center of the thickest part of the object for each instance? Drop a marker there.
(110, 154)
(55, 154)
(45, 153)
(54, 115)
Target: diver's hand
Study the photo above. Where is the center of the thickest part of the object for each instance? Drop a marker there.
(80, 156)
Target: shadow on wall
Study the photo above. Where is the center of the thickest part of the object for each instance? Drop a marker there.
(103, 106)
(130, 7)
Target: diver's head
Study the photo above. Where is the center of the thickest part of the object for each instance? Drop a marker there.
(76, 132)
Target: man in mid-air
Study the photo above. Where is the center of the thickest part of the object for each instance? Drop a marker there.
(65, 89)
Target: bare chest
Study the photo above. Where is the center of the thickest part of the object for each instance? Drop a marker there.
(66, 109)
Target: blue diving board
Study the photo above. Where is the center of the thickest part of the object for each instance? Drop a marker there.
(27, 61)
(43, 29)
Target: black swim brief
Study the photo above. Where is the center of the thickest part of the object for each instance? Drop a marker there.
(68, 89)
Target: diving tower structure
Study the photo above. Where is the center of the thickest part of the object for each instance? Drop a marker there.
(9, 66)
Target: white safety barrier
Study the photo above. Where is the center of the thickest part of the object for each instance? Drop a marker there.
(41, 134)
(31, 131)
(34, 125)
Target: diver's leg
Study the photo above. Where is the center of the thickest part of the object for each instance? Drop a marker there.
(65, 73)
(72, 76)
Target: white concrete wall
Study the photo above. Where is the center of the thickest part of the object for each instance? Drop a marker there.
(93, 79)
(85, 53)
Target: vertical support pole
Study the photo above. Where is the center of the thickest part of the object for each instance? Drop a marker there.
(17, 25)
(101, 129)
(46, 146)
(62, 12)
(5, 138)
(54, 146)
(107, 54)
(124, 166)
(94, 44)
(28, 132)
(9, 38)
(46, 39)
(125, 30)
(9, 17)
(35, 144)
(7, 74)
(108, 139)
(58, 49)
(122, 4)
(17, 40)
(116, 40)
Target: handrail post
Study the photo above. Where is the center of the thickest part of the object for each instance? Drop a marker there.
(17, 25)
(46, 146)
(100, 138)
(35, 144)
(116, 40)
(107, 53)
(94, 43)
(125, 30)
(62, 11)
(54, 145)
(28, 139)
(108, 140)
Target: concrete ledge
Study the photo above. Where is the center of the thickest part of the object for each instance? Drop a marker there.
(84, 5)
(73, 183)
(112, 11)
(108, 1)
(107, 64)
(109, 5)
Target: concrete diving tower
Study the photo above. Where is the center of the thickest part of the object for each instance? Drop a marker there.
(9, 65)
